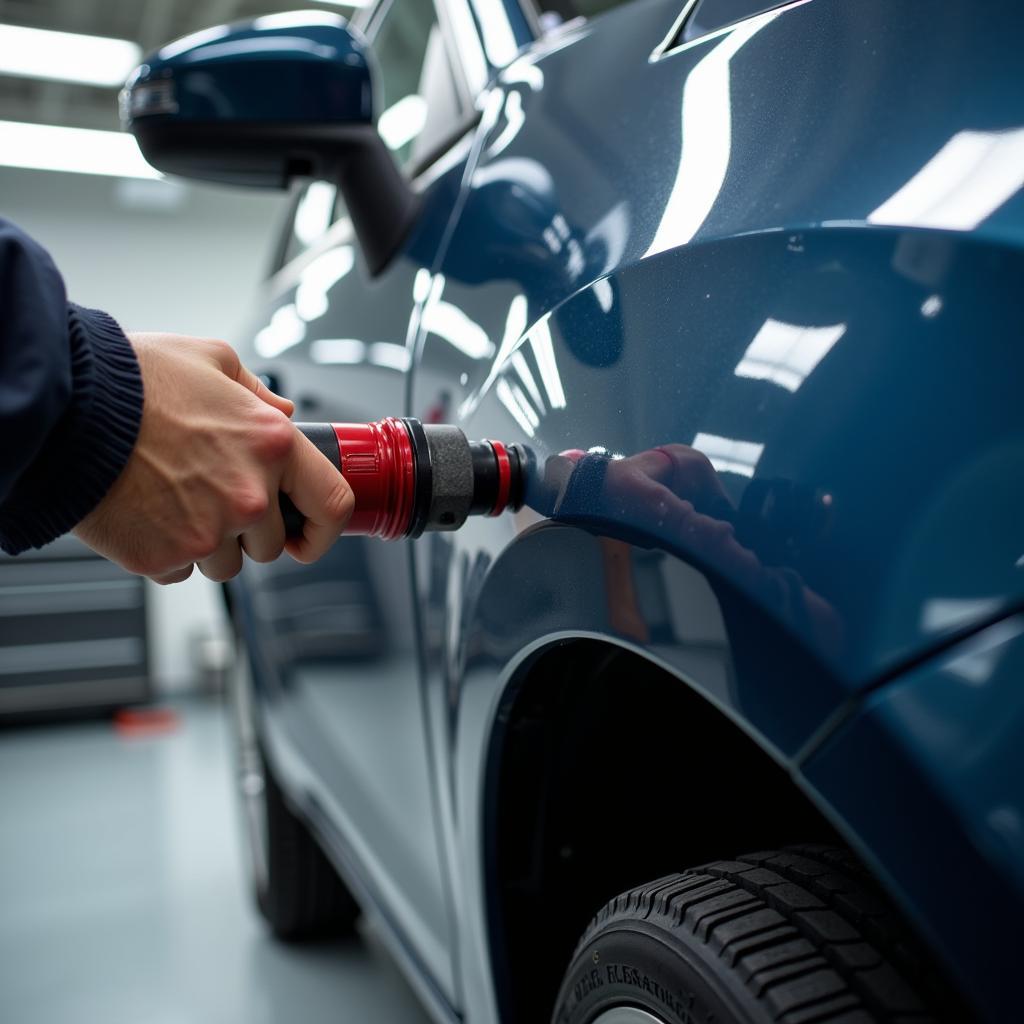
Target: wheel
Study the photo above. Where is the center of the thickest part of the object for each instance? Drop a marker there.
(296, 888)
(798, 936)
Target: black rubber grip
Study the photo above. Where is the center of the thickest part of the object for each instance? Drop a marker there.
(326, 441)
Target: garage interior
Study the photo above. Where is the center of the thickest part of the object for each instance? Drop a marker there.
(122, 879)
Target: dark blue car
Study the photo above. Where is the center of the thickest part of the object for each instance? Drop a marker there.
(726, 724)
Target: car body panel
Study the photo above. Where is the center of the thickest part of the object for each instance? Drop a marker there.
(941, 746)
(338, 640)
(754, 261)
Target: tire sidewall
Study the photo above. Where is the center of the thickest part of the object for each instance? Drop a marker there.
(632, 965)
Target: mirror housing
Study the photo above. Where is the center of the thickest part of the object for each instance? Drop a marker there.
(265, 101)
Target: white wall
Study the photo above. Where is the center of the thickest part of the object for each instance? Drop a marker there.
(157, 257)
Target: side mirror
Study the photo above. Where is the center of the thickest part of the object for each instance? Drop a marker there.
(264, 101)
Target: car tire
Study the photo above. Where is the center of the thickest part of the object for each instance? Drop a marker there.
(300, 895)
(296, 888)
(778, 937)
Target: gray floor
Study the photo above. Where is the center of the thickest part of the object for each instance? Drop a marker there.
(122, 896)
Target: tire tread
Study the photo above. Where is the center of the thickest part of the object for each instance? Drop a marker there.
(804, 929)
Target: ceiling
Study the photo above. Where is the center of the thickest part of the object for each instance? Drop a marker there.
(150, 23)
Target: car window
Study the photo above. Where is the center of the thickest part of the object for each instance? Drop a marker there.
(317, 206)
(417, 99)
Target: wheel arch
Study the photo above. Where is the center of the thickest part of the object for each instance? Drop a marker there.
(562, 721)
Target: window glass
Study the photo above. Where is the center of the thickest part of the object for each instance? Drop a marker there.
(415, 89)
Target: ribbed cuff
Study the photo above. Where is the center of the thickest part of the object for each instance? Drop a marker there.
(87, 450)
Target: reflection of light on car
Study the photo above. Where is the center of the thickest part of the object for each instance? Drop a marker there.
(786, 354)
(612, 233)
(728, 455)
(544, 350)
(706, 140)
(510, 398)
(966, 181)
(297, 19)
(499, 43)
(318, 278)
(337, 350)
(942, 613)
(981, 654)
(526, 376)
(421, 284)
(313, 214)
(449, 322)
(515, 324)
(207, 35)
(390, 355)
(931, 307)
(403, 121)
(514, 118)
(603, 293)
(524, 71)
(530, 175)
(278, 44)
(285, 330)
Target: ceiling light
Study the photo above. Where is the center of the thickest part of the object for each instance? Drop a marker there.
(66, 56)
(49, 147)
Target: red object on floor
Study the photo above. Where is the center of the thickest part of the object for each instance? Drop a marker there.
(145, 721)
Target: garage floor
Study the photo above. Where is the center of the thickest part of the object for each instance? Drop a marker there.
(122, 898)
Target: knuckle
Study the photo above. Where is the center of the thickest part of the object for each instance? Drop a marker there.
(249, 505)
(199, 545)
(275, 437)
(142, 565)
(224, 352)
(339, 503)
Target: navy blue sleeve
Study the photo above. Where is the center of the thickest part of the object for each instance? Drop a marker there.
(70, 399)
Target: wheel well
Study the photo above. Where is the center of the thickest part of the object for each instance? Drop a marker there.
(610, 773)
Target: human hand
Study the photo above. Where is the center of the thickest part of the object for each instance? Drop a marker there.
(214, 450)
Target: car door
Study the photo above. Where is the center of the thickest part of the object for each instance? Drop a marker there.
(337, 640)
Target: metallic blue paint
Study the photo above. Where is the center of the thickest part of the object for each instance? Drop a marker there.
(939, 750)
(305, 67)
(769, 280)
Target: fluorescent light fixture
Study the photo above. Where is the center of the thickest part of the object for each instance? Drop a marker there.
(965, 182)
(786, 354)
(344, 3)
(729, 456)
(403, 121)
(78, 150)
(285, 330)
(66, 56)
(338, 350)
(390, 355)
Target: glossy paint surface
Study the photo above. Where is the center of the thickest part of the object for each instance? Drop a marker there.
(302, 67)
(941, 747)
(754, 306)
